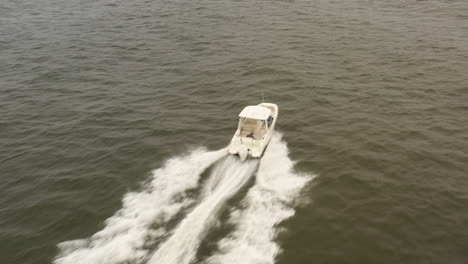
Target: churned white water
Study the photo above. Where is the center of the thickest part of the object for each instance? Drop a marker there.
(125, 233)
(230, 176)
(145, 213)
(268, 203)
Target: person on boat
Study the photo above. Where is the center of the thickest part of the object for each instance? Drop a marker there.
(270, 120)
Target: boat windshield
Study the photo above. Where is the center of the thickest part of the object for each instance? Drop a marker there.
(252, 128)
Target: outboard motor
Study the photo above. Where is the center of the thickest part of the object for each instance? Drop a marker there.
(243, 151)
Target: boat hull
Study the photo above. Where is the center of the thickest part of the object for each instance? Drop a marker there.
(249, 147)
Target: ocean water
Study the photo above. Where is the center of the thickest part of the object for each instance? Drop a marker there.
(115, 117)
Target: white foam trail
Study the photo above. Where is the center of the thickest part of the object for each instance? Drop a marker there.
(125, 233)
(267, 202)
(230, 176)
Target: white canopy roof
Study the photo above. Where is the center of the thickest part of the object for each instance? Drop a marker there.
(255, 112)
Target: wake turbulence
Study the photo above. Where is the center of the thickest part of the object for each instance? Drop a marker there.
(231, 175)
(134, 233)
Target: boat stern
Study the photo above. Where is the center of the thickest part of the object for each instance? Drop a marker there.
(245, 147)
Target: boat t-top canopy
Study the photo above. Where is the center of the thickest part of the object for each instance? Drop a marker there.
(255, 112)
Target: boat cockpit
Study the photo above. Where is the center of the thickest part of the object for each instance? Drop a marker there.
(253, 128)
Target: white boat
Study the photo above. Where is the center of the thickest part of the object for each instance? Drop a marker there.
(256, 125)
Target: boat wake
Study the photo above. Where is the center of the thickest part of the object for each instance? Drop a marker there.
(145, 214)
(266, 204)
(183, 244)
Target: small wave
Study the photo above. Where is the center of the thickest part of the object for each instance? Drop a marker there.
(126, 232)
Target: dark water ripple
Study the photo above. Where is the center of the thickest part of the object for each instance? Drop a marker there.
(373, 97)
